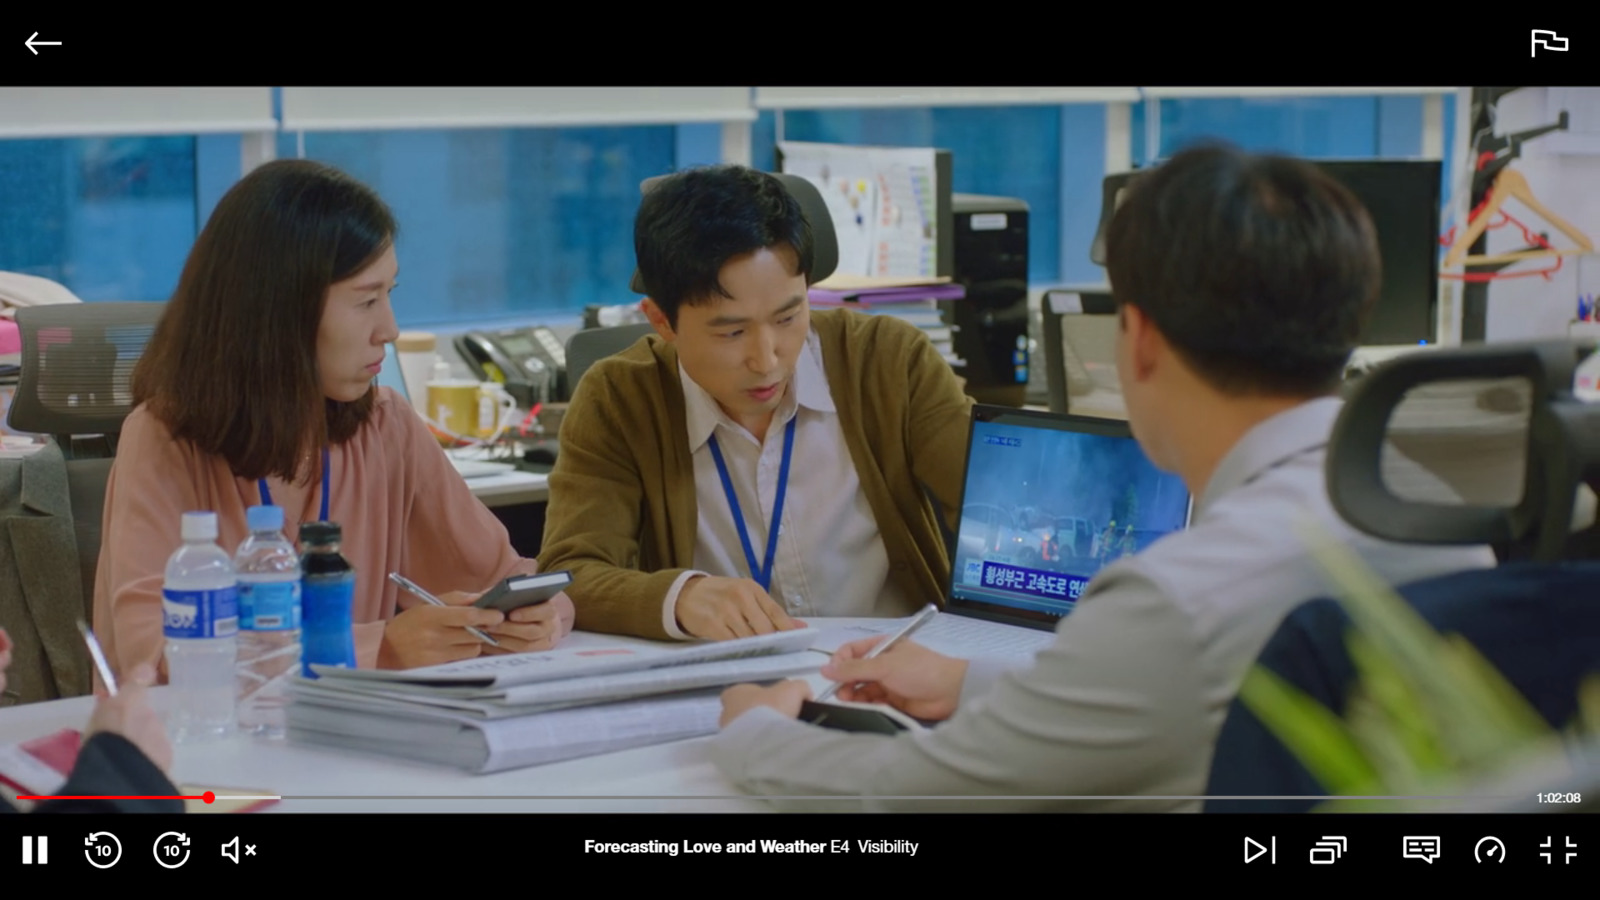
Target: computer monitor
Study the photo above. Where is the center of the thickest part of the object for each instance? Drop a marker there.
(1403, 198)
(1049, 500)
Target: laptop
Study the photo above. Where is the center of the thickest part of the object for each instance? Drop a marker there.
(1049, 499)
(391, 376)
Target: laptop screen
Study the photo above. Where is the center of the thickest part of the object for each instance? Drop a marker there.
(391, 376)
(1049, 500)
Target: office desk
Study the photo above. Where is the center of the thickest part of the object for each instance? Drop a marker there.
(511, 488)
(674, 777)
(665, 778)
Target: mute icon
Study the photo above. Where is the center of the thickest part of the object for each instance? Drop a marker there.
(231, 850)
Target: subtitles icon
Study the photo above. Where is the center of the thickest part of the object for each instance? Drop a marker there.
(1327, 851)
(1549, 40)
(1423, 848)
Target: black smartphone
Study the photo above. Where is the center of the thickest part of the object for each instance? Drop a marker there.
(855, 718)
(519, 591)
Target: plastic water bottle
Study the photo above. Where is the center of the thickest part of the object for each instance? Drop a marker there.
(327, 592)
(269, 621)
(200, 606)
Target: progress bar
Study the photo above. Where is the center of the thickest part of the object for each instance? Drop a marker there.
(207, 797)
(842, 797)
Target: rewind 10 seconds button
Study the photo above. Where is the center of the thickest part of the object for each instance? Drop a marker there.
(102, 849)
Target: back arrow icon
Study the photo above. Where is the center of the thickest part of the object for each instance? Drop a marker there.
(31, 43)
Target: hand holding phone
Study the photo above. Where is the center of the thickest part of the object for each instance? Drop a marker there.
(519, 591)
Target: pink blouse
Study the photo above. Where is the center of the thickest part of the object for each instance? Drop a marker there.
(402, 506)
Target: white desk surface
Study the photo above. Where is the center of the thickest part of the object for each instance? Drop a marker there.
(510, 488)
(675, 777)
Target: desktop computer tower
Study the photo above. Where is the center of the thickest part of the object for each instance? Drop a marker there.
(989, 254)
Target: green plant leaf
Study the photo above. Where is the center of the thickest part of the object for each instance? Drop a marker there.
(1427, 713)
(1399, 720)
(1314, 735)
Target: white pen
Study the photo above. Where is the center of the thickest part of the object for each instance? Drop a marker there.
(99, 658)
(917, 621)
(412, 586)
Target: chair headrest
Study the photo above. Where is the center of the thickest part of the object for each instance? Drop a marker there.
(1562, 453)
(824, 241)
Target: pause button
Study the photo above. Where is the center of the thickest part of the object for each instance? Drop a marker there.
(35, 845)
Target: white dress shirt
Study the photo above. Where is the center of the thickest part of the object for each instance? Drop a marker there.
(830, 559)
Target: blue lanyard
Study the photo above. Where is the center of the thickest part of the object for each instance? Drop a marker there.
(762, 574)
(266, 495)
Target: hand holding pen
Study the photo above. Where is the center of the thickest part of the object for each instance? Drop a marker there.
(128, 712)
(431, 600)
(437, 633)
(913, 679)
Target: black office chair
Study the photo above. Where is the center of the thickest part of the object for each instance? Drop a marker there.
(1533, 619)
(589, 346)
(77, 362)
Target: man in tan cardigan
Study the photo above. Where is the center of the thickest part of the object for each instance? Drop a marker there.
(678, 454)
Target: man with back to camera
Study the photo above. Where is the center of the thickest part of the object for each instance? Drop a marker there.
(1241, 284)
(678, 454)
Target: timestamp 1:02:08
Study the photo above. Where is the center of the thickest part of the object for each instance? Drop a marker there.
(1560, 798)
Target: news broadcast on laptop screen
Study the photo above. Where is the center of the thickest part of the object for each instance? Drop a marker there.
(1049, 500)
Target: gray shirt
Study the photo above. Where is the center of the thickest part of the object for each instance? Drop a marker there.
(1122, 711)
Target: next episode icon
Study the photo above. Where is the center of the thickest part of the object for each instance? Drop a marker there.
(1254, 850)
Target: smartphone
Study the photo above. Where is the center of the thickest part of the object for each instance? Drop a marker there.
(519, 591)
(857, 718)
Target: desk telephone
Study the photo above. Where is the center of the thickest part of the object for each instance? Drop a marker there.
(528, 361)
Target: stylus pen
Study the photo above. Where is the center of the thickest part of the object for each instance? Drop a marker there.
(917, 621)
(411, 586)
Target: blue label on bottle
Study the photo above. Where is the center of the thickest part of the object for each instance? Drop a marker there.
(200, 614)
(269, 605)
(327, 638)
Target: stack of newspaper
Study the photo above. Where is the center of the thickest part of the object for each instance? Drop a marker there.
(504, 712)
